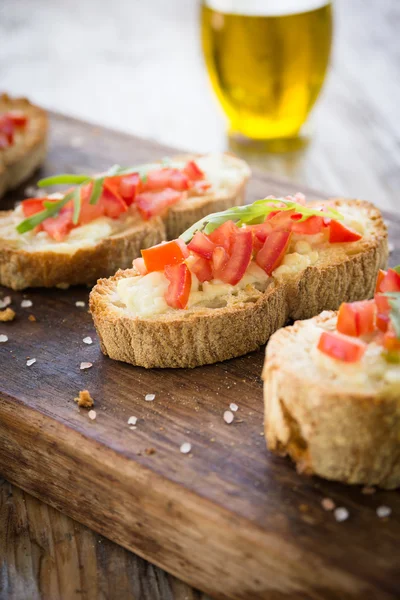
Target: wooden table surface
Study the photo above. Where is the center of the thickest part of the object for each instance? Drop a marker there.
(356, 151)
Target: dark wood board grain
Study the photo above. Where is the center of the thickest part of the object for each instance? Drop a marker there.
(230, 518)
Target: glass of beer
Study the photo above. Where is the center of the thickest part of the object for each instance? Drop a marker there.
(267, 61)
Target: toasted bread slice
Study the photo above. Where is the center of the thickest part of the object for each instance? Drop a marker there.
(228, 175)
(101, 247)
(241, 321)
(337, 420)
(28, 151)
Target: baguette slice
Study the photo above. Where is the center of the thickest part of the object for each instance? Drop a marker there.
(337, 420)
(239, 323)
(27, 153)
(29, 261)
(229, 176)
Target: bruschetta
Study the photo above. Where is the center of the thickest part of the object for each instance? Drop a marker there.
(332, 390)
(23, 140)
(101, 223)
(232, 279)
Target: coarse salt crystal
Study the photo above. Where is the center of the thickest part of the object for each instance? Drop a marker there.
(3, 338)
(30, 362)
(85, 365)
(328, 504)
(185, 448)
(383, 511)
(234, 407)
(228, 417)
(26, 303)
(87, 340)
(92, 414)
(5, 302)
(149, 397)
(341, 514)
(132, 420)
(79, 303)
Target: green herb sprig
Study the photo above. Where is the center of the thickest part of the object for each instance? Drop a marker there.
(253, 214)
(52, 208)
(394, 301)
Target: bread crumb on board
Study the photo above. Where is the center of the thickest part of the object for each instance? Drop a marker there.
(84, 399)
(7, 315)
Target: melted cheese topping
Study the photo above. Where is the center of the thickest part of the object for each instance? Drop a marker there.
(144, 296)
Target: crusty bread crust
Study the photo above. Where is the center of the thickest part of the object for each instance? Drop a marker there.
(181, 216)
(333, 431)
(20, 269)
(202, 336)
(19, 161)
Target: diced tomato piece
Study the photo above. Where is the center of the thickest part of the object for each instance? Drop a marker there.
(239, 259)
(58, 227)
(271, 254)
(310, 226)
(341, 233)
(341, 348)
(129, 186)
(224, 235)
(219, 259)
(382, 321)
(7, 128)
(18, 117)
(177, 294)
(382, 303)
(178, 181)
(151, 204)
(202, 245)
(261, 231)
(357, 318)
(89, 212)
(193, 171)
(282, 220)
(31, 206)
(391, 342)
(140, 265)
(201, 267)
(391, 282)
(157, 180)
(379, 279)
(169, 253)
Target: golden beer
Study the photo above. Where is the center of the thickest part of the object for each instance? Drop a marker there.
(267, 61)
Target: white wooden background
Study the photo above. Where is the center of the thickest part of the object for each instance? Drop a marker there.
(136, 65)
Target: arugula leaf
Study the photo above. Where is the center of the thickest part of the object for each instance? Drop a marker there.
(253, 214)
(63, 179)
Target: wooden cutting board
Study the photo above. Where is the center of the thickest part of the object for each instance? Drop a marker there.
(229, 518)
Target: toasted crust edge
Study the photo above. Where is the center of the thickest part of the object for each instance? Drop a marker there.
(20, 269)
(195, 339)
(342, 436)
(18, 165)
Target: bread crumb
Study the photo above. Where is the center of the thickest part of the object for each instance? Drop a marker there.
(3, 338)
(84, 399)
(368, 490)
(341, 514)
(150, 451)
(32, 318)
(7, 315)
(5, 302)
(234, 407)
(87, 340)
(328, 504)
(149, 397)
(132, 420)
(185, 448)
(30, 362)
(85, 365)
(228, 417)
(383, 511)
(92, 414)
(79, 303)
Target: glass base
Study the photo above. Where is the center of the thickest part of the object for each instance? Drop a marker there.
(240, 143)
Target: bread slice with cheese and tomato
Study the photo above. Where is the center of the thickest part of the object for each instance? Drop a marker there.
(232, 279)
(23, 140)
(101, 223)
(332, 390)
